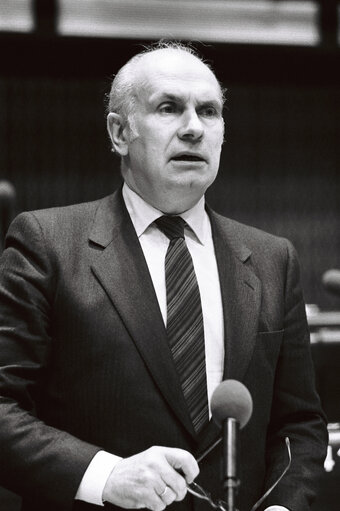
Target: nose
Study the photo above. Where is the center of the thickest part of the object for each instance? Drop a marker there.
(191, 128)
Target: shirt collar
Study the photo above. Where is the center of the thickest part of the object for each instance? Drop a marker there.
(143, 215)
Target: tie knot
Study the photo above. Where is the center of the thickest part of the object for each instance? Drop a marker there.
(171, 226)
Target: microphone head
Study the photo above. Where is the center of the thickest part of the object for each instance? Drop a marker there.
(231, 399)
(7, 191)
(331, 281)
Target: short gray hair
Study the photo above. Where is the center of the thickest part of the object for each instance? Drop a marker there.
(122, 96)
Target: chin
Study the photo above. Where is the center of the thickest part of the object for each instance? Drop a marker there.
(183, 193)
(179, 203)
(191, 181)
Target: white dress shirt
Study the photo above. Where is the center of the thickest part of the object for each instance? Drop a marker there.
(154, 244)
(199, 241)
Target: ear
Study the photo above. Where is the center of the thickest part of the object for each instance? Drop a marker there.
(117, 130)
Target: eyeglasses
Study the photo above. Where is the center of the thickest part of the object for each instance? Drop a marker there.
(197, 491)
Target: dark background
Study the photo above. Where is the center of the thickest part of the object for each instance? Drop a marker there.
(280, 168)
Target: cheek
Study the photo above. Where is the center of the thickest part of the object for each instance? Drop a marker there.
(154, 158)
(216, 137)
(216, 145)
(220, 135)
(154, 142)
(145, 150)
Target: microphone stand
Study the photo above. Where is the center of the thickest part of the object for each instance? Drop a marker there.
(231, 481)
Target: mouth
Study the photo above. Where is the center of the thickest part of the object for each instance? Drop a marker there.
(189, 157)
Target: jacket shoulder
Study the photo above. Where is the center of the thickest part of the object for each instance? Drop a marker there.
(63, 219)
(248, 236)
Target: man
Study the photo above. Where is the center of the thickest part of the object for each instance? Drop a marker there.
(103, 399)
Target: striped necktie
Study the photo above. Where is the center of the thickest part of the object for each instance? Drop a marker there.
(185, 320)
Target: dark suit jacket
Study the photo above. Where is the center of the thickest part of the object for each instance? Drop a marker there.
(85, 362)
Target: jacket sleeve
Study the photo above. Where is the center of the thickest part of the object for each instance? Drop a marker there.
(37, 460)
(296, 411)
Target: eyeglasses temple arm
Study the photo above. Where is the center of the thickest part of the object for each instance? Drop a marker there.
(259, 502)
(210, 448)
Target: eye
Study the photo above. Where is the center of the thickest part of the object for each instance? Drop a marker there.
(167, 108)
(209, 111)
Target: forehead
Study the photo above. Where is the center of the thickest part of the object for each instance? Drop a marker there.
(176, 73)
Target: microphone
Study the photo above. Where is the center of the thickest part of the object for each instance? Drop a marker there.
(231, 408)
(331, 281)
(7, 192)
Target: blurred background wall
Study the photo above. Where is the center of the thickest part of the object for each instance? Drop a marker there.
(281, 161)
(280, 168)
(280, 164)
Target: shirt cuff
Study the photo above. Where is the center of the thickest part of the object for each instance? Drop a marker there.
(94, 479)
(276, 508)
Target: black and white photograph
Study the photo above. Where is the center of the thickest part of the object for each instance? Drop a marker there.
(170, 255)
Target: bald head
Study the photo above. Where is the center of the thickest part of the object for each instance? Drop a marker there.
(164, 57)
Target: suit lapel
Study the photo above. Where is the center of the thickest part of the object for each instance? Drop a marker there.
(241, 298)
(122, 271)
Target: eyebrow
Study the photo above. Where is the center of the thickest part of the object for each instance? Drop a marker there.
(166, 96)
